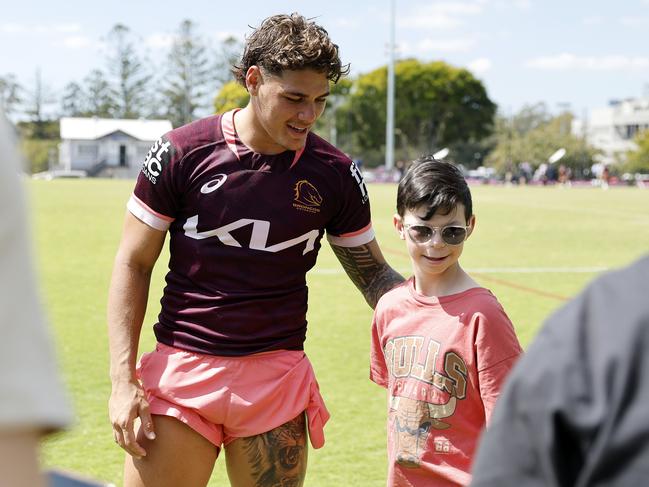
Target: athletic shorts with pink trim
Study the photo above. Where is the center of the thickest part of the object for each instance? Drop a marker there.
(225, 398)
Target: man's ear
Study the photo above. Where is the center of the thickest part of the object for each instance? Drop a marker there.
(398, 225)
(253, 79)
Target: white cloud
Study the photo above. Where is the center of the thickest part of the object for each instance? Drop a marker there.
(430, 21)
(635, 21)
(566, 61)
(76, 42)
(222, 35)
(593, 20)
(14, 28)
(442, 15)
(67, 28)
(519, 4)
(347, 23)
(480, 65)
(445, 45)
(523, 4)
(159, 41)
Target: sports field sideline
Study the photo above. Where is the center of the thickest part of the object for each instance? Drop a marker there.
(534, 247)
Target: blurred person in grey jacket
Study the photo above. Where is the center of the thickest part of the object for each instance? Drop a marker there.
(575, 409)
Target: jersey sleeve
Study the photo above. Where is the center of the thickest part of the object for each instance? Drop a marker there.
(497, 350)
(352, 225)
(156, 197)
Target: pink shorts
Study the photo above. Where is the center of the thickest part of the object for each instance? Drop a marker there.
(224, 398)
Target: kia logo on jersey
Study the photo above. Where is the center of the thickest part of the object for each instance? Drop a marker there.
(258, 237)
(214, 184)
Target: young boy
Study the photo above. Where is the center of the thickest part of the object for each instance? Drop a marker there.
(441, 344)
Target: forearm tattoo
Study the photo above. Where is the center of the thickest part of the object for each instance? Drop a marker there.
(371, 277)
(278, 458)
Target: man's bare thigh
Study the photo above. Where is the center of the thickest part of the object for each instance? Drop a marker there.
(177, 456)
(273, 459)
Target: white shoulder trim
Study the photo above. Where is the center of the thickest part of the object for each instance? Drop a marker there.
(147, 215)
(354, 239)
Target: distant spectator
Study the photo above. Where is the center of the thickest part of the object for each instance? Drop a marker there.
(605, 177)
(564, 175)
(401, 167)
(525, 172)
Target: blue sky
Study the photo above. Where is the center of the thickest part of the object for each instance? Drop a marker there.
(574, 53)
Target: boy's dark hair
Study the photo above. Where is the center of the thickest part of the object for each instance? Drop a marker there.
(290, 42)
(437, 185)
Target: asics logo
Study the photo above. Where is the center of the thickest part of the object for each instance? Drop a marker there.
(258, 237)
(214, 184)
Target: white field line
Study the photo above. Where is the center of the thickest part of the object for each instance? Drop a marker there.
(499, 270)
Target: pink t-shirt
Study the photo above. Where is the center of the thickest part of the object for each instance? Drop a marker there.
(443, 361)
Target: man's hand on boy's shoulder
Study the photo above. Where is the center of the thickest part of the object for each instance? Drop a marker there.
(368, 270)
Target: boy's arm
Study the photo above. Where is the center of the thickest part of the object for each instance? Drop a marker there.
(368, 270)
(497, 350)
(492, 381)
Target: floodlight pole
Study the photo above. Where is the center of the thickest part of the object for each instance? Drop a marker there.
(389, 125)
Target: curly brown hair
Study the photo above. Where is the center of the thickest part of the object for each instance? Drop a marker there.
(292, 42)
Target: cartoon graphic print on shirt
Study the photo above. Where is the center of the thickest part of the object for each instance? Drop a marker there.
(416, 408)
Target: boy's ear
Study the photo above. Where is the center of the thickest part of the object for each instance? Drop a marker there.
(398, 225)
(253, 79)
(471, 225)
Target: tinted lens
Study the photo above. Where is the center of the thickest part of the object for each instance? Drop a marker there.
(420, 233)
(453, 235)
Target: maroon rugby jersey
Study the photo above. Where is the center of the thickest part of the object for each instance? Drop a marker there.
(244, 230)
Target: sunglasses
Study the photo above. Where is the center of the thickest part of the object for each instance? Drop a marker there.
(422, 234)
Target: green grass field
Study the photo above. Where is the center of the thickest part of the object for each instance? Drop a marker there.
(533, 247)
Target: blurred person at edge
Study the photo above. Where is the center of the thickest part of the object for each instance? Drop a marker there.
(575, 409)
(32, 401)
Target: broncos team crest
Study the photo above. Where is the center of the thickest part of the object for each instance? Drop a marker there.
(306, 197)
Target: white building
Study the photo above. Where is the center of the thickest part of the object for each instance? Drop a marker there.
(114, 147)
(612, 129)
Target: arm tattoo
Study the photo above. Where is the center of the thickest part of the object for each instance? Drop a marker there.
(371, 277)
(278, 457)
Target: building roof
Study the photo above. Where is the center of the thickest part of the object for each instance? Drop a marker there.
(96, 128)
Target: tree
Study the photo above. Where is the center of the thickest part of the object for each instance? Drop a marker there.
(9, 93)
(38, 98)
(99, 101)
(327, 124)
(437, 105)
(533, 136)
(130, 78)
(637, 161)
(227, 55)
(188, 77)
(231, 95)
(73, 100)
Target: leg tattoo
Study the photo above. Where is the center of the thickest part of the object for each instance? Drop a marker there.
(278, 458)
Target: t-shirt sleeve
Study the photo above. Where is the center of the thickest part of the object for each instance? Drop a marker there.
(156, 197)
(522, 424)
(352, 225)
(378, 366)
(497, 349)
